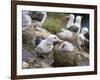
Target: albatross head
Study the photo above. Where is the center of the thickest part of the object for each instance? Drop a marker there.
(53, 38)
(84, 30)
(71, 16)
(78, 20)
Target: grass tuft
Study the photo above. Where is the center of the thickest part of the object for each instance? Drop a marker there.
(54, 22)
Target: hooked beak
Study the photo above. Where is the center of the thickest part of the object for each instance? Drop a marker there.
(59, 41)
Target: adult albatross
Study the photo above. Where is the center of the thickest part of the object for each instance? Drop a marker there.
(46, 46)
(70, 21)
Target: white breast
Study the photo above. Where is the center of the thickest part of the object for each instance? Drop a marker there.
(45, 48)
(80, 39)
(66, 34)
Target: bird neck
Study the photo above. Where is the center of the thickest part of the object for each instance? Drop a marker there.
(78, 22)
(83, 32)
(70, 22)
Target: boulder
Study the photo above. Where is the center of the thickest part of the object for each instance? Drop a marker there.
(28, 34)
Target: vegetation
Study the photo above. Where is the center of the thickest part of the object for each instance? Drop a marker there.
(54, 22)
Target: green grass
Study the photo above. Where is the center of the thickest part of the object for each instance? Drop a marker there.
(54, 22)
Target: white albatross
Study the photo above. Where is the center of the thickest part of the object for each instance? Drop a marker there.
(70, 22)
(76, 27)
(65, 34)
(46, 45)
(81, 38)
(64, 55)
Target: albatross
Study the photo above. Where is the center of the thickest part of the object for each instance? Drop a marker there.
(70, 22)
(46, 46)
(81, 38)
(84, 39)
(65, 34)
(65, 55)
(76, 27)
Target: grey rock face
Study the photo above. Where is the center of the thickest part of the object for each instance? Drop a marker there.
(31, 61)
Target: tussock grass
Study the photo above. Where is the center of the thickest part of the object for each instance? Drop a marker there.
(54, 22)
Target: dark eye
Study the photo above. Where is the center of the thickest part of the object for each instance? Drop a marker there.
(55, 38)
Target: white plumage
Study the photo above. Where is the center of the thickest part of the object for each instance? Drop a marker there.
(67, 46)
(81, 38)
(46, 45)
(78, 23)
(70, 20)
(84, 30)
(76, 27)
(71, 27)
(65, 34)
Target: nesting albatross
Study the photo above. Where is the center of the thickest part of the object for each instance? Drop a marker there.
(65, 35)
(46, 45)
(81, 36)
(65, 55)
(83, 39)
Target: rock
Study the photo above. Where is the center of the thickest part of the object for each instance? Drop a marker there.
(43, 33)
(26, 19)
(28, 56)
(39, 63)
(28, 34)
(24, 65)
(39, 16)
(31, 61)
(36, 16)
(83, 59)
(36, 24)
